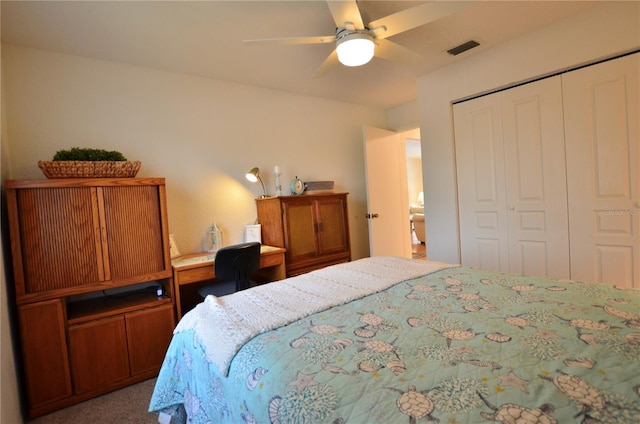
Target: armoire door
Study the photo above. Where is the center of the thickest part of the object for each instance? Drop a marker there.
(134, 231)
(148, 336)
(333, 231)
(99, 353)
(300, 228)
(45, 357)
(511, 181)
(601, 115)
(49, 221)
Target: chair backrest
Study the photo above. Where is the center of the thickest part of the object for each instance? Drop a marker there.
(237, 262)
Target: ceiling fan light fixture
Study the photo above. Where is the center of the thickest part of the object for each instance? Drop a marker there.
(355, 49)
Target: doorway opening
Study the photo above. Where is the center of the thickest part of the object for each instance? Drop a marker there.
(415, 193)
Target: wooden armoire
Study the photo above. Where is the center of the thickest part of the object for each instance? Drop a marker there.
(314, 228)
(93, 285)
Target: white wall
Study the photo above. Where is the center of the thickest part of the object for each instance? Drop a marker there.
(414, 178)
(597, 33)
(404, 117)
(201, 135)
(9, 399)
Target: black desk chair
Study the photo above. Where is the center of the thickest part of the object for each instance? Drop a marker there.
(233, 266)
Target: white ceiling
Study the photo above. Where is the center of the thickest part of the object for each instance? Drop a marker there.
(205, 38)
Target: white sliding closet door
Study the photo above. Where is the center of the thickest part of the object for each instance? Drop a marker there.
(536, 179)
(511, 180)
(603, 166)
(482, 202)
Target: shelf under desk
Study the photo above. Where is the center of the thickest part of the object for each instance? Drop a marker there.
(198, 268)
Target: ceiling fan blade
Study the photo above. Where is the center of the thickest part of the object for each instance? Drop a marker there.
(394, 52)
(414, 17)
(345, 12)
(322, 39)
(329, 63)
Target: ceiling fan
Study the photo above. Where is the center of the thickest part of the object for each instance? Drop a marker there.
(357, 43)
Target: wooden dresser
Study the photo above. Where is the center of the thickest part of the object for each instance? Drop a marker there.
(313, 228)
(93, 285)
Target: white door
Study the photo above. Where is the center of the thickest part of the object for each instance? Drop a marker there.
(536, 181)
(387, 193)
(603, 169)
(511, 180)
(482, 202)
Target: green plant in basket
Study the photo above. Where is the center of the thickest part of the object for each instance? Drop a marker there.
(86, 154)
(89, 163)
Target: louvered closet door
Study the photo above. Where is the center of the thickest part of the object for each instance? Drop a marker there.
(603, 167)
(511, 182)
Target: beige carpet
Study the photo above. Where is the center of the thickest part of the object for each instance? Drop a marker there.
(124, 406)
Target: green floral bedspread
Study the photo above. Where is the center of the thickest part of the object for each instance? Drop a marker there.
(458, 346)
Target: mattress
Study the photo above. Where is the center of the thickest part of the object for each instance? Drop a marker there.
(393, 340)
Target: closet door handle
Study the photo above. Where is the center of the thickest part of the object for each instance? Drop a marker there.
(513, 208)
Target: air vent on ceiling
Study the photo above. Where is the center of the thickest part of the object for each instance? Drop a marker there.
(463, 47)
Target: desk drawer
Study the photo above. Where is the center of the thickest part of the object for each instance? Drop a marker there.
(271, 260)
(195, 274)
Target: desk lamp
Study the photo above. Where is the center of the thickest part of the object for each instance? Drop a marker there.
(254, 175)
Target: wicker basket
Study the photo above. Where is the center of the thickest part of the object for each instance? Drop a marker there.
(89, 169)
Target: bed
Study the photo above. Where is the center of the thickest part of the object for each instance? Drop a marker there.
(393, 340)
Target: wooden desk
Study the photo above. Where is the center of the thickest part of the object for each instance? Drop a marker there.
(198, 268)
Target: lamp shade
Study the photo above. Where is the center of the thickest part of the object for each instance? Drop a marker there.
(252, 175)
(355, 49)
